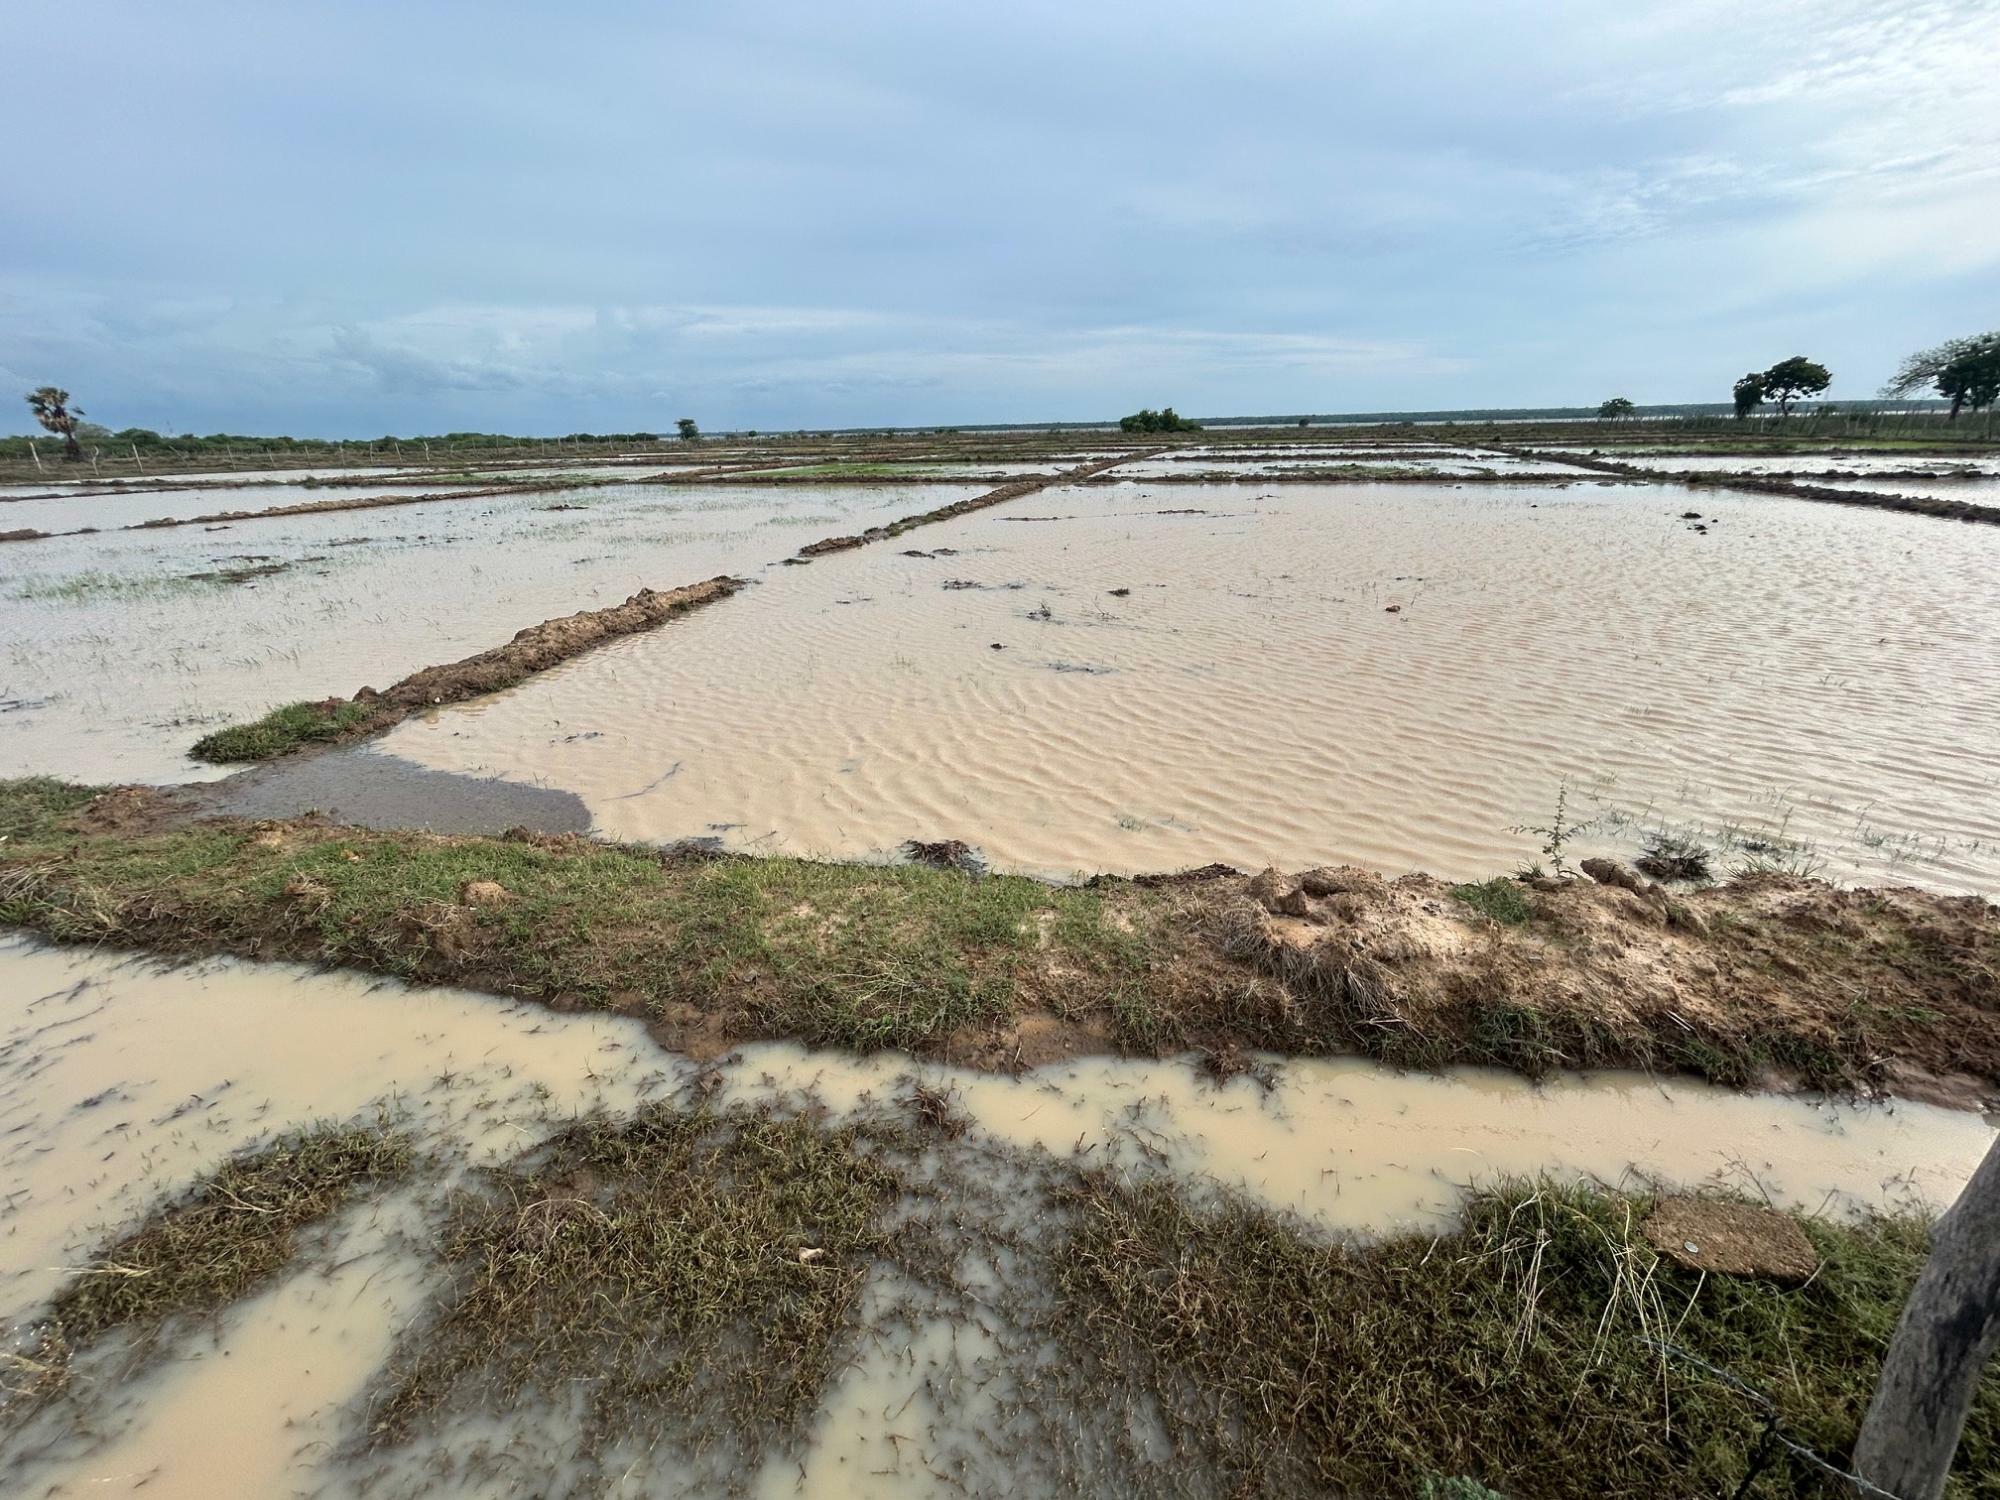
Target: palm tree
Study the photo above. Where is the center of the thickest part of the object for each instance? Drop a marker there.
(51, 407)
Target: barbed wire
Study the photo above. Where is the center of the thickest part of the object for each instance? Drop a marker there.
(1774, 1437)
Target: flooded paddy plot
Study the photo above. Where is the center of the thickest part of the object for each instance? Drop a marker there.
(1123, 678)
(124, 1081)
(1976, 490)
(1937, 465)
(121, 649)
(107, 512)
(1389, 457)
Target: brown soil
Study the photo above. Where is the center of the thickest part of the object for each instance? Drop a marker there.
(1768, 973)
(1735, 1239)
(1236, 476)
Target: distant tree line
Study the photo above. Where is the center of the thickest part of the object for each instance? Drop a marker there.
(51, 408)
(1157, 421)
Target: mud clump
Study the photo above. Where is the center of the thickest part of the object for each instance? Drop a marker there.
(945, 854)
(1739, 983)
(542, 646)
(1735, 1239)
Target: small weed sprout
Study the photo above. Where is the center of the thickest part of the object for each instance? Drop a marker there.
(1558, 834)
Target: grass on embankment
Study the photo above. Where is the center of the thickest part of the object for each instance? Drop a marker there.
(1766, 976)
(688, 1283)
(861, 956)
(283, 730)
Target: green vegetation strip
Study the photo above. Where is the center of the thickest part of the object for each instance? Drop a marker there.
(849, 955)
(228, 1235)
(1510, 1350)
(283, 729)
(1833, 989)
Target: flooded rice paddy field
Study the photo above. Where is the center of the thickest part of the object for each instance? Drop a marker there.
(1945, 465)
(122, 1081)
(1280, 460)
(1129, 678)
(105, 512)
(1124, 676)
(121, 649)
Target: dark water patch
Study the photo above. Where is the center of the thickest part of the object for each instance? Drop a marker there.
(373, 790)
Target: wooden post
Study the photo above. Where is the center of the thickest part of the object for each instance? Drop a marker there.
(35, 453)
(137, 461)
(1948, 1331)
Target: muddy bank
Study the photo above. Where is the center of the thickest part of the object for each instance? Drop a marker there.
(1922, 505)
(534, 649)
(1768, 981)
(958, 508)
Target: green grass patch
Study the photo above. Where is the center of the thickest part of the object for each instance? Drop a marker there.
(858, 956)
(282, 730)
(31, 807)
(1508, 1352)
(1500, 899)
(685, 1277)
(93, 586)
(230, 1233)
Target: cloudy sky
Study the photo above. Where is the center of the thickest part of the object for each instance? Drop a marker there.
(362, 217)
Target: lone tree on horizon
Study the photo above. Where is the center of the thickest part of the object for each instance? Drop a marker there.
(1789, 379)
(51, 407)
(688, 431)
(1616, 409)
(1965, 370)
(1164, 420)
(1749, 393)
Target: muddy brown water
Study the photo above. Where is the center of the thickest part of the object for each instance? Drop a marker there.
(115, 656)
(1402, 677)
(121, 1081)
